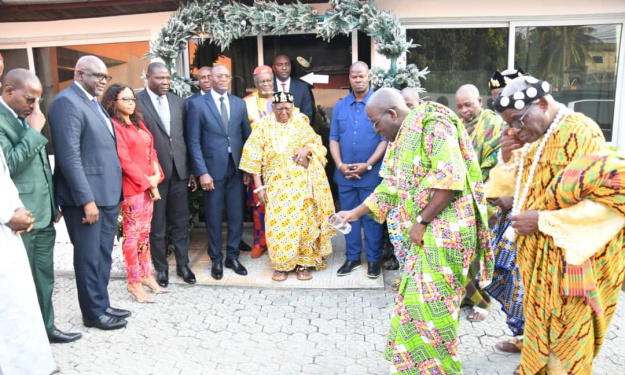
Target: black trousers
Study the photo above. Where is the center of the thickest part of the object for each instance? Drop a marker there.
(172, 208)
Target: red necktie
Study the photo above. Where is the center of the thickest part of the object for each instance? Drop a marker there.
(283, 86)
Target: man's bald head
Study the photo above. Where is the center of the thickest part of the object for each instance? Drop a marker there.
(21, 91)
(18, 78)
(359, 78)
(89, 62)
(411, 97)
(153, 67)
(468, 102)
(89, 73)
(387, 109)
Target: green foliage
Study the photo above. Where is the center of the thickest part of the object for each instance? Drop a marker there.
(223, 22)
(557, 53)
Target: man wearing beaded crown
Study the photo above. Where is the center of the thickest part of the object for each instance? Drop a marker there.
(564, 321)
(258, 105)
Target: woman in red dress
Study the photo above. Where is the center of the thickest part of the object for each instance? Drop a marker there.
(141, 175)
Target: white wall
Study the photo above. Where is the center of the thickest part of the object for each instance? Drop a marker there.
(499, 10)
(82, 31)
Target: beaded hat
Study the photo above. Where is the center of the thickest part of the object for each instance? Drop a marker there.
(282, 97)
(518, 100)
(500, 80)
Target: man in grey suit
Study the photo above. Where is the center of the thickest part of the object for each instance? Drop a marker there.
(217, 128)
(88, 181)
(165, 115)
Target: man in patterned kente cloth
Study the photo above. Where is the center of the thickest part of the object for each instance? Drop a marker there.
(258, 106)
(570, 250)
(431, 175)
(484, 128)
(506, 287)
(286, 159)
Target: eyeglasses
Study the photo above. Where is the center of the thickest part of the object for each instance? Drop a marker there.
(30, 100)
(98, 76)
(375, 124)
(284, 109)
(518, 123)
(127, 100)
(266, 81)
(222, 76)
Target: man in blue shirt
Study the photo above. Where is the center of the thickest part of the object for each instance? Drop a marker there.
(357, 151)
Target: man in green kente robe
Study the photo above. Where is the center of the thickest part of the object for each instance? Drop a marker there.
(432, 177)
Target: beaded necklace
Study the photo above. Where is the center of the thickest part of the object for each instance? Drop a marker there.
(281, 146)
(520, 198)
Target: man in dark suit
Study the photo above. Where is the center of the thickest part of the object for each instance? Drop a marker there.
(165, 115)
(23, 144)
(302, 96)
(217, 128)
(204, 77)
(88, 181)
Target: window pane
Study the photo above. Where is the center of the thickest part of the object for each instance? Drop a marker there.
(456, 57)
(14, 58)
(579, 61)
(55, 67)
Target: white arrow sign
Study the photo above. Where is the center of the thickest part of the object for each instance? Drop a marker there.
(312, 78)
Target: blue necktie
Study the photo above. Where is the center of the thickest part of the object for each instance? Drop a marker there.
(23, 121)
(101, 111)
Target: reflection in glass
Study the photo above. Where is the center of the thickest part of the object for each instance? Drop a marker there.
(55, 67)
(579, 61)
(458, 56)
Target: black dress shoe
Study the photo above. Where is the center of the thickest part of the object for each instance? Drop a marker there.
(244, 247)
(117, 313)
(236, 266)
(373, 270)
(348, 267)
(60, 337)
(162, 278)
(186, 274)
(105, 322)
(217, 271)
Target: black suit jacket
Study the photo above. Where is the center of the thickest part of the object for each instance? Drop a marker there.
(171, 149)
(87, 167)
(302, 96)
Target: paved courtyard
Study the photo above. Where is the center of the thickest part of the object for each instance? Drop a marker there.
(230, 330)
(256, 328)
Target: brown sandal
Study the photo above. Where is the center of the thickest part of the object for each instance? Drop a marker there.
(395, 286)
(279, 276)
(513, 345)
(303, 273)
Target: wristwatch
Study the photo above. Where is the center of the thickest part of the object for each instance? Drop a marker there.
(421, 221)
(369, 166)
